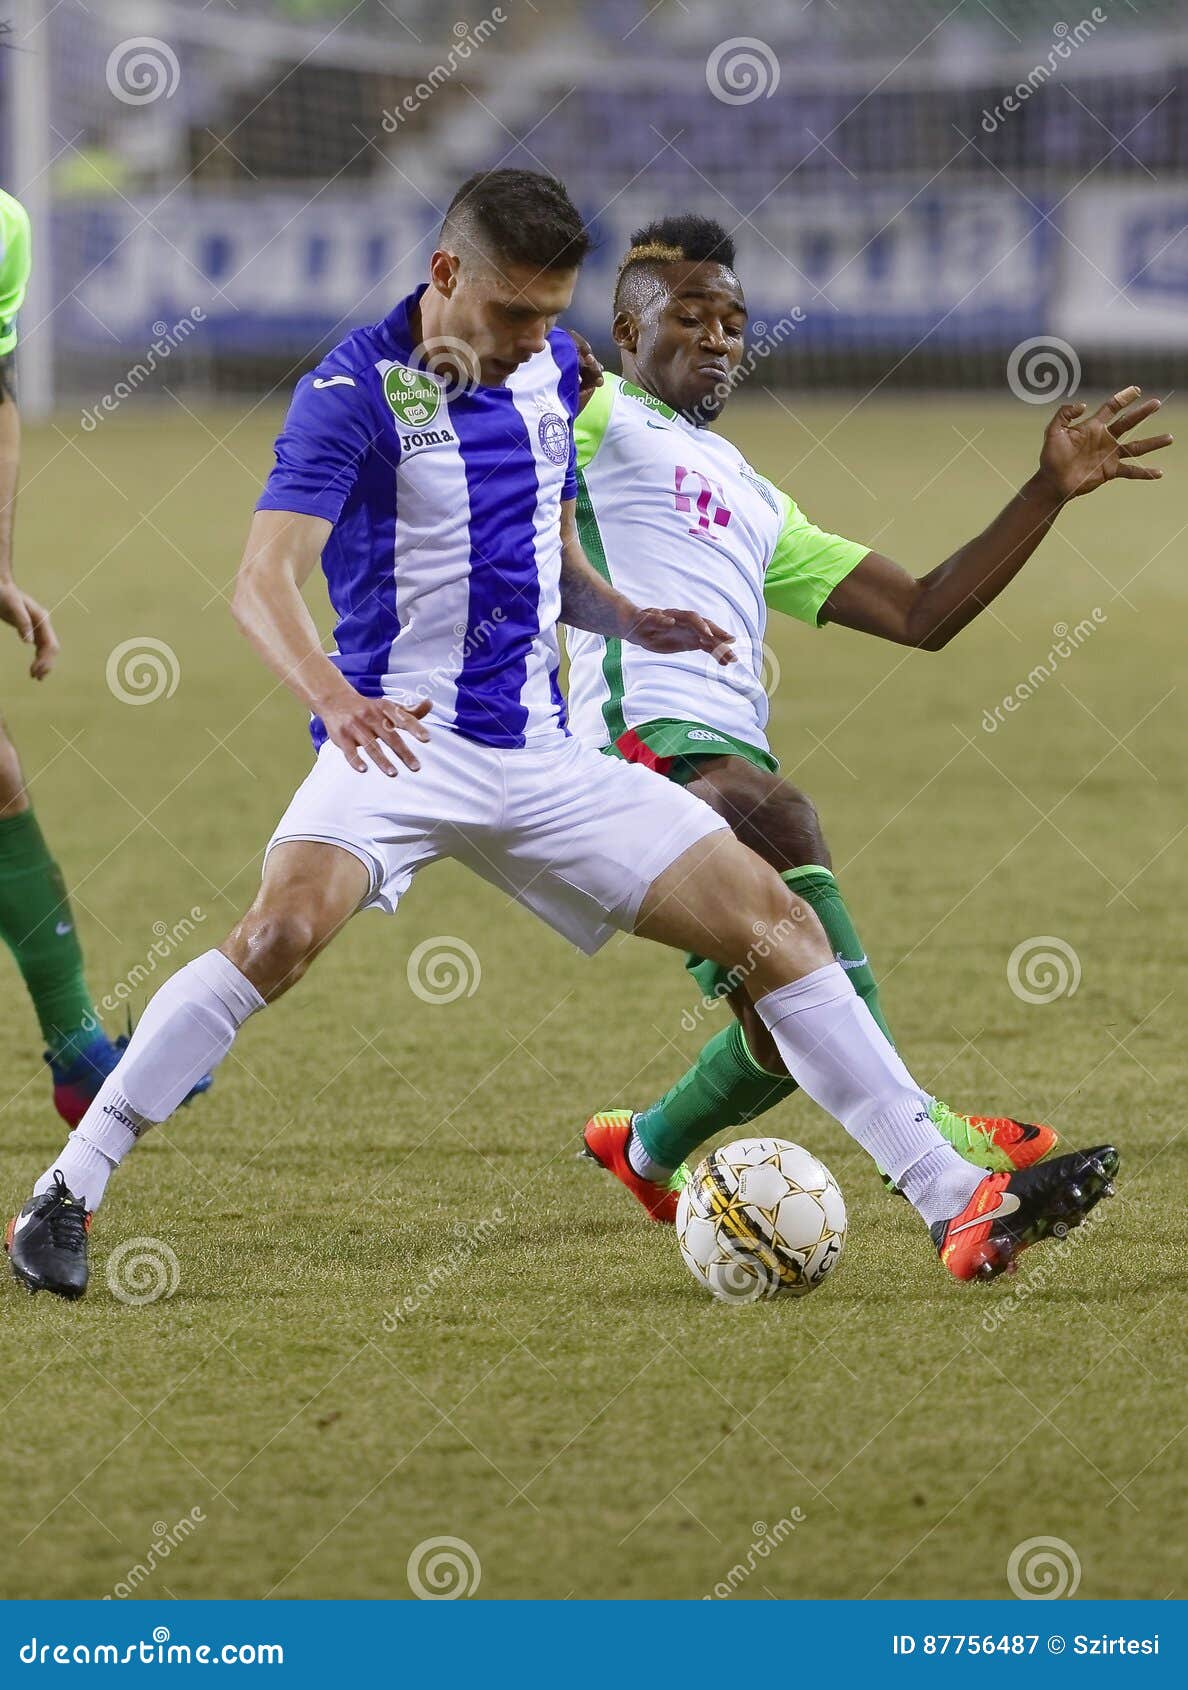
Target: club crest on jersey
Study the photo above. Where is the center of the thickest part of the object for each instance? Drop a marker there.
(553, 433)
(760, 486)
(413, 397)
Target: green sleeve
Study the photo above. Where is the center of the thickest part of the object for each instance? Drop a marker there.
(589, 425)
(806, 565)
(15, 259)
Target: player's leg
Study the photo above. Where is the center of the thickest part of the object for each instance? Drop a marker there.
(309, 890)
(720, 899)
(738, 1075)
(37, 922)
(614, 845)
(347, 841)
(780, 824)
(38, 925)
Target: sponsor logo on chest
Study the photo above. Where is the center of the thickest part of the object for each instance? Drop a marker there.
(416, 400)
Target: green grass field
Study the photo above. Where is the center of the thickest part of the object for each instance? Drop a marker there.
(562, 1396)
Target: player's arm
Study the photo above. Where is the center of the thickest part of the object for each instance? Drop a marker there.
(1079, 455)
(283, 548)
(329, 429)
(590, 602)
(18, 608)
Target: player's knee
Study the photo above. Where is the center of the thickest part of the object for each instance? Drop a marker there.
(772, 817)
(785, 828)
(274, 948)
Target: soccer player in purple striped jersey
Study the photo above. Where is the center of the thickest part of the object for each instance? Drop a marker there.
(428, 464)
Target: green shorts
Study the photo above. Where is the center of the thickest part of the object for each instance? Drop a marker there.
(677, 749)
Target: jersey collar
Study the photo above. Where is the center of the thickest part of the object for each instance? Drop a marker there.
(643, 397)
(396, 323)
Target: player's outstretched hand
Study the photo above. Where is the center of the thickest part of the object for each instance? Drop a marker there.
(589, 369)
(1083, 452)
(680, 630)
(32, 622)
(366, 726)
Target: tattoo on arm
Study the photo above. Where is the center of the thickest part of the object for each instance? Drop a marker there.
(588, 601)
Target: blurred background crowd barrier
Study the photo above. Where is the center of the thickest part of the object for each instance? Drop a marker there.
(915, 188)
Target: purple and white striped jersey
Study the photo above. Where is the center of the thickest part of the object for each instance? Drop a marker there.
(444, 561)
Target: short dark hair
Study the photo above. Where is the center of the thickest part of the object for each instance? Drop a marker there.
(521, 217)
(684, 237)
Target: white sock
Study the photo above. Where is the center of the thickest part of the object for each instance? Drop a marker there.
(832, 1045)
(642, 1163)
(187, 1029)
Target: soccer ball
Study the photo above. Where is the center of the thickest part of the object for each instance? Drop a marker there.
(761, 1218)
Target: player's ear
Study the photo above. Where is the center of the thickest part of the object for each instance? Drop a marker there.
(443, 271)
(625, 331)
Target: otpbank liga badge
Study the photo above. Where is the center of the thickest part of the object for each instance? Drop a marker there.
(413, 396)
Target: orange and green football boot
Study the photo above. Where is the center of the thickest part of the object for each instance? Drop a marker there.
(1008, 1213)
(997, 1143)
(606, 1136)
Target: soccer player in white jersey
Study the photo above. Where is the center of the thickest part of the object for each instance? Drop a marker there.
(669, 510)
(428, 464)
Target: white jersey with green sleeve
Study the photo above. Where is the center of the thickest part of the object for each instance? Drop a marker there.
(673, 515)
(14, 267)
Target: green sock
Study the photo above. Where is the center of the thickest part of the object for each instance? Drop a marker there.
(726, 1086)
(37, 924)
(818, 887)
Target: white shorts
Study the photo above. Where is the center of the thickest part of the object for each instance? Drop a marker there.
(576, 836)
